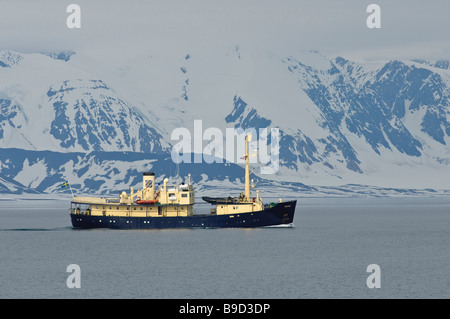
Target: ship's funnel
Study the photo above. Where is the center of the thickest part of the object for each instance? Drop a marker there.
(148, 186)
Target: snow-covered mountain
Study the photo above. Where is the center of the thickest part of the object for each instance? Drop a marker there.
(48, 105)
(67, 115)
(103, 172)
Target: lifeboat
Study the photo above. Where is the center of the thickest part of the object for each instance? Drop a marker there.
(146, 202)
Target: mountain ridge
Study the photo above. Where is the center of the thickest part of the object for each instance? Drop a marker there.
(340, 121)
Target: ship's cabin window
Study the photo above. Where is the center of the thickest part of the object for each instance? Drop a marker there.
(110, 207)
(135, 208)
(171, 194)
(142, 208)
(117, 207)
(96, 207)
(183, 195)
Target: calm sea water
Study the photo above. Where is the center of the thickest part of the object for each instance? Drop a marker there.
(325, 254)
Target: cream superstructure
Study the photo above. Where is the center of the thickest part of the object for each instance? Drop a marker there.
(169, 200)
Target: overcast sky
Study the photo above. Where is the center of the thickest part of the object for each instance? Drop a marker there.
(412, 29)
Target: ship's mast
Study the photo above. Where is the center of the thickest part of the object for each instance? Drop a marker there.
(248, 138)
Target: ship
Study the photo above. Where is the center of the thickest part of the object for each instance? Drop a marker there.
(172, 206)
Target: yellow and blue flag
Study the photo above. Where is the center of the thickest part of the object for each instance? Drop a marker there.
(65, 184)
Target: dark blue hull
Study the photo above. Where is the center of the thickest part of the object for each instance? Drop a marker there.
(281, 213)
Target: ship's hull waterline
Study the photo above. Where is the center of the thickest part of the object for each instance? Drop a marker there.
(279, 214)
